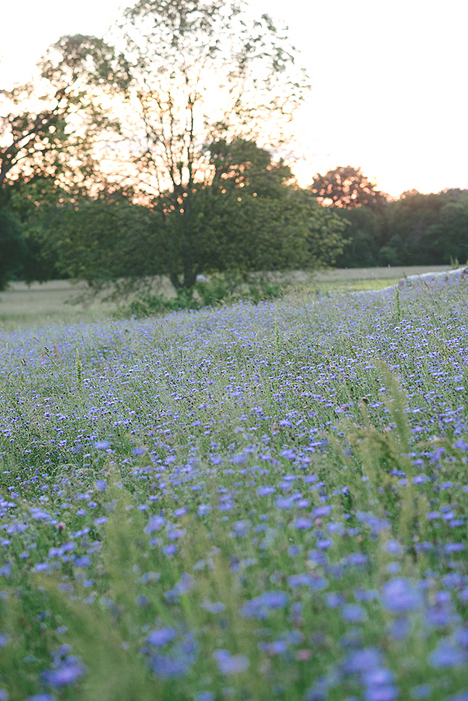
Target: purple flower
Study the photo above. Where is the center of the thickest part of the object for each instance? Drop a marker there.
(38, 514)
(284, 503)
(431, 515)
(42, 567)
(461, 444)
(446, 655)
(155, 524)
(334, 599)
(184, 584)
(83, 561)
(101, 445)
(303, 524)
(365, 660)
(400, 596)
(265, 490)
(420, 479)
(226, 505)
(178, 662)
(68, 673)
(213, 607)
(320, 558)
(381, 693)
(289, 453)
(399, 629)
(454, 547)
(176, 533)
(277, 647)
(422, 691)
(241, 528)
(353, 613)
(378, 677)
(161, 636)
(261, 606)
(205, 696)
(168, 666)
(393, 547)
(204, 509)
(231, 664)
(321, 511)
(299, 580)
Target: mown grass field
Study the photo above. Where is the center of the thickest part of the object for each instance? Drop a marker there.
(22, 306)
(248, 502)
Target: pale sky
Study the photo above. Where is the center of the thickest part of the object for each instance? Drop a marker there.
(389, 77)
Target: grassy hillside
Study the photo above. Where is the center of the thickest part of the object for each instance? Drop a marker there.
(249, 503)
(57, 301)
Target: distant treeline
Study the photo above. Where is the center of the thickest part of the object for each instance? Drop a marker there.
(111, 237)
(415, 229)
(113, 164)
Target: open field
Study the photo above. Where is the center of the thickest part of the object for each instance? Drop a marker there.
(244, 503)
(22, 306)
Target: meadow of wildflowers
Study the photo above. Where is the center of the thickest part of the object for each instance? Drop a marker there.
(248, 503)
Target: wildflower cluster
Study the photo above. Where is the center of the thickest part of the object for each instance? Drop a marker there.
(251, 502)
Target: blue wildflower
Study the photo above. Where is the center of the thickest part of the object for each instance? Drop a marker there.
(353, 613)
(422, 691)
(178, 662)
(261, 606)
(67, 673)
(161, 636)
(204, 509)
(155, 524)
(265, 490)
(400, 596)
(447, 655)
(101, 445)
(231, 664)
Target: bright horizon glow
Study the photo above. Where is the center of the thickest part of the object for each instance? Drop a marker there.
(388, 80)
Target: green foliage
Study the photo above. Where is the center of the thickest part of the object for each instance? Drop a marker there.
(416, 229)
(103, 239)
(363, 230)
(167, 381)
(347, 187)
(12, 247)
(448, 236)
(404, 229)
(56, 138)
(223, 288)
(245, 218)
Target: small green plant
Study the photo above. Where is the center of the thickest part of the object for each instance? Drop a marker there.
(398, 304)
(218, 290)
(78, 369)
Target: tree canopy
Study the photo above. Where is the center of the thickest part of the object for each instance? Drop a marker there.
(248, 218)
(346, 187)
(201, 71)
(50, 128)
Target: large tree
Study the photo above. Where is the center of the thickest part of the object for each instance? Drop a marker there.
(50, 127)
(207, 81)
(346, 187)
(249, 218)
